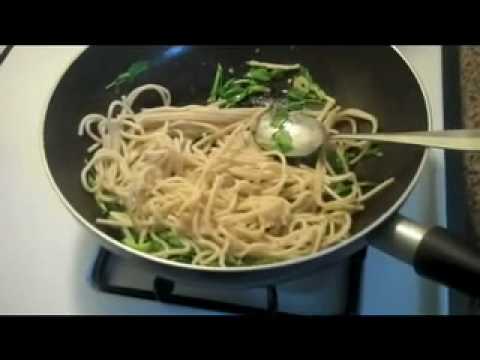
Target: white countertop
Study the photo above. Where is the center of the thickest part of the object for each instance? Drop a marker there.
(46, 256)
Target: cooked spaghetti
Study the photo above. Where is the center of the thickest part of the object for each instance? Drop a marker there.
(190, 183)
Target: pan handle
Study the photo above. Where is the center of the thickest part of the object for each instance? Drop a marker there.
(434, 253)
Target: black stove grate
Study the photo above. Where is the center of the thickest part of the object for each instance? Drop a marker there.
(163, 290)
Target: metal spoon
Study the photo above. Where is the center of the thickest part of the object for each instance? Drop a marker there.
(308, 135)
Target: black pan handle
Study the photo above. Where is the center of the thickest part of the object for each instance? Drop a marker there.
(434, 253)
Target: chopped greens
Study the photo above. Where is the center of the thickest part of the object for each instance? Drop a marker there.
(264, 75)
(132, 240)
(129, 76)
(282, 141)
(304, 88)
(278, 73)
(254, 82)
(295, 95)
(172, 239)
(259, 74)
(137, 68)
(234, 91)
(343, 188)
(301, 85)
(156, 242)
(216, 84)
(134, 244)
(257, 81)
(335, 162)
(255, 89)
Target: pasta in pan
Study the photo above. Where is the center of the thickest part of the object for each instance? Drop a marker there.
(190, 183)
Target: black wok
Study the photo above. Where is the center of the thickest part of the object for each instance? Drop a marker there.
(377, 79)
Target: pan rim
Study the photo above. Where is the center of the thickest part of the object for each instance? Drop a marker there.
(240, 269)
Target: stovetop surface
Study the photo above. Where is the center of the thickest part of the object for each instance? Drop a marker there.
(335, 290)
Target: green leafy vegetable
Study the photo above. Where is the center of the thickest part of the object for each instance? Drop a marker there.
(297, 100)
(155, 247)
(153, 244)
(172, 239)
(304, 88)
(335, 162)
(156, 243)
(217, 83)
(227, 86)
(231, 91)
(259, 74)
(279, 73)
(159, 244)
(131, 242)
(235, 90)
(137, 68)
(301, 85)
(255, 89)
(129, 76)
(295, 95)
(264, 75)
(236, 98)
(282, 141)
(256, 82)
(273, 73)
(241, 81)
(122, 78)
(131, 239)
(343, 188)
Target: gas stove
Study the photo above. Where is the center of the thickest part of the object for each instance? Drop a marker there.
(70, 274)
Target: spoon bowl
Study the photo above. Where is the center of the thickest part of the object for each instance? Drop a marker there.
(307, 135)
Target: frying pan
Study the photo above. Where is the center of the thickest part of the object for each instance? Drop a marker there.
(377, 79)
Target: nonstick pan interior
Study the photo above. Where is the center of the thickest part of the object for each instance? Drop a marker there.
(375, 79)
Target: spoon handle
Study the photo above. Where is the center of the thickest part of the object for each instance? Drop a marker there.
(467, 140)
